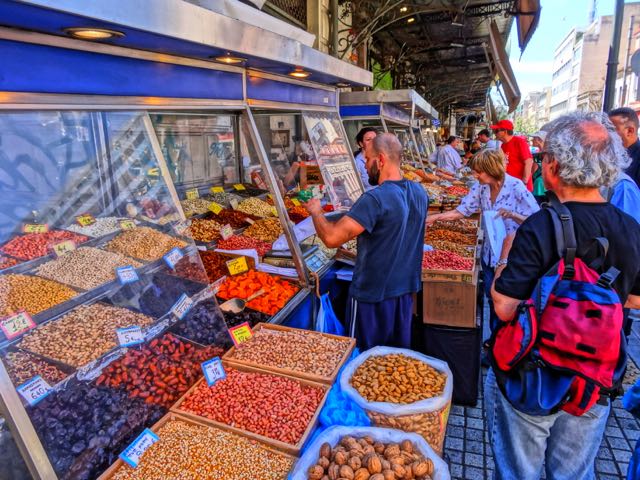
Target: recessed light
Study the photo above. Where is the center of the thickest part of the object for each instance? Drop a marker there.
(86, 33)
(403, 9)
(229, 59)
(411, 19)
(299, 73)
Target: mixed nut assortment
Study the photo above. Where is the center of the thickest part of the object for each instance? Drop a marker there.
(268, 230)
(23, 366)
(256, 207)
(102, 226)
(144, 243)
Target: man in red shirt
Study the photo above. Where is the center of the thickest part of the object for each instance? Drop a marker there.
(516, 149)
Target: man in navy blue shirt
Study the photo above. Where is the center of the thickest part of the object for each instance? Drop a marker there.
(626, 122)
(389, 223)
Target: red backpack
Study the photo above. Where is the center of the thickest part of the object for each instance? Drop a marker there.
(565, 347)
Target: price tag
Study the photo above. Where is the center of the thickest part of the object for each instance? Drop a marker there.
(130, 336)
(226, 232)
(35, 228)
(85, 220)
(237, 265)
(182, 228)
(127, 224)
(215, 286)
(59, 249)
(217, 189)
(269, 196)
(133, 453)
(215, 207)
(182, 306)
(173, 257)
(239, 187)
(16, 324)
(192, 194)
(296, 202)
(213, 371)
(234, 203)
(241, 333)
(274, 211)
(34, 390)
(127, 274)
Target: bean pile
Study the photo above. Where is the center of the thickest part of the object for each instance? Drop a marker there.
(23, 366)
(205, 325)
(190, 269)
(240, 242)
(195, 206)
(268, 230)
(449, 236)
(85, 268)
(32, 294)
(276, 407)
(34, 245)
(278, 292)
(461, 250)
(6, 262)
(256, 207)
(248, 315)
(300, 351)
(214, 264)
(234, 218)
(144, 243)
(397, 378)
(200, 452)
(202, 230)
(444, 260)
(160, 372)
(102, 226)
(85, 333)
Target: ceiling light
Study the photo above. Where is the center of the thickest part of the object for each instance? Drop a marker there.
(229, 59)
(299, 73)
(411, 19)
(403, 9)
(457, 45)
(86, 33)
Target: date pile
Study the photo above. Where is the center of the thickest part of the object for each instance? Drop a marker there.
(204, 324)
(444, 260)
(191, 269)
(214, 264)
(233, 218)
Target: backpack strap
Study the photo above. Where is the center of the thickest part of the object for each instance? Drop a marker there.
(564, 232)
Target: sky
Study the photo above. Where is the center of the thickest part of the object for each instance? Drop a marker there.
(558, 17)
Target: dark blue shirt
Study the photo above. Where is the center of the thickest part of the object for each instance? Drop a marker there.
(389, 258)
(633, 170)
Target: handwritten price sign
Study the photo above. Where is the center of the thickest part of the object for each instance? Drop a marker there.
(216, 208)
(62, 248)
(35, 228)
(173, 257)
(237, 265)
(182, 306)
(217, 189)
(226, 232)
(192, 194)
(241, 333)
(133, 453)
(130, 336)
(34, 390)
(127, 274)
(85, 220)
(16, 324)
(213, 371)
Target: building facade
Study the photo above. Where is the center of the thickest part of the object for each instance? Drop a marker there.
(533, 111)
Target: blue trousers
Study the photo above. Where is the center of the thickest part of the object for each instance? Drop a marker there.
(489, 274)
(385, 323)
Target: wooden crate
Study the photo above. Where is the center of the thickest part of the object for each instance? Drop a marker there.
(277, 444)
(171, 416)
(293, 373)
(450, 303)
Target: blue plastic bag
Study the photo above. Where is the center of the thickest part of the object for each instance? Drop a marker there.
(327, 322)
(631, 402)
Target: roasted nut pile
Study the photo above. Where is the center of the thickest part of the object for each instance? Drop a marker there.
(205, 325)
(85, 333)
(23, 366)
(214, 264)
(461, 250)
(366, 459)
(444, 260)
(32, 294)
(276, 407)
(256, 207)
(202, 230)
(397, 378)
(160, 371)
(195, 452)
(268, 230)
(449, 236)
(300, 351)
(102, 226)
(240, 242)
(195, 206)
(34, 245)
(234, 218)
(144, 243)
(277, 292)
(6, 262)
(85, 268)
(190, 269)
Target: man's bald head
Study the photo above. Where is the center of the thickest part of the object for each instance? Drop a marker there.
(389, 145)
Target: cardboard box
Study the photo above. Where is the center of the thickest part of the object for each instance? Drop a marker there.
(451, 303)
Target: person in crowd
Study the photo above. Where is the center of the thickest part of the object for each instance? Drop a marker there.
(517, 152)
(448, 158)
(626, 122)
(537, 139)
(496, 190)
(389, 223)
(581, 153)
(484, 137)
(364, 138)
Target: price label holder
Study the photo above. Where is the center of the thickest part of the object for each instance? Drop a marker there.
(241, 333)
(133, 453)
(127, 224)
(239, 187)
(213, 371)
(192, 194)
(296, 202)
(127, 274)
(62, 248)
(226, 232)
(237, 265)
(234, 203)
(217, 189)
(173, 257)
(130, 336)
(35, 228)
(216, 208)
(16, 324)
(85, 220)
(182, 306)
(34, 390)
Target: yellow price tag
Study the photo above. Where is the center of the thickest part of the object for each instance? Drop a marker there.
(217, 189)
(16, 324)
(237, 265)
(269, 196)
(64, 247)
(192, 194)
(296, 202)
(127, 224)
(85, 220)
(274, 211)
(241, 333)
(215, 207)
(239, 186)
(35, 228)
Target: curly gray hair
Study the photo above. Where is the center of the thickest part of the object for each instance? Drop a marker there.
(589, 152)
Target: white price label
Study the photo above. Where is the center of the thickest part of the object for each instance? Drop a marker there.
(234, 203)
(130, 336)
(182, 306)
(133, 453)
(173, 257)
(127, 274)
(213, 371)
(34, 390)
(226, 232)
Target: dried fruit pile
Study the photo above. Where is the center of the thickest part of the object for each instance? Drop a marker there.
(444, 260)
(233, 218)
(190, 269)
(34, 245)
(23, 366)
(214, 264)
(240, 242)
(205, 325)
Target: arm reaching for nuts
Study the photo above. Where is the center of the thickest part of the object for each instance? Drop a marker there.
(332, 234)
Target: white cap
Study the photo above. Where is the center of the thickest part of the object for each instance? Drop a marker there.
(541, 134)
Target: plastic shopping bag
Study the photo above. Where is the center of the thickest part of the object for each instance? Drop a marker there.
(327, 322)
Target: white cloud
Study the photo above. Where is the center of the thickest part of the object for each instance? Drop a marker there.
(537, 67)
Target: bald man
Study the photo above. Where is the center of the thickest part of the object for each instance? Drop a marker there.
(388, 222)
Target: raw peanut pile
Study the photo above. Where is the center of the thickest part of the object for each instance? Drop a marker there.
(85, 333)
(34, 245)
(256, 207)
(195, 206)
(449, 236)
(397, 378)
(214, 264)
(461, 250)
(367, 459)
(159, 372)
(278, 292)
(103, 226)
(233, 218)
(23, 366)
(6, 262)
(32, 294)
(268, 230)
(240, 242)
(443, 260)
(203, 230)
(196, 452)
(190, 269)
(276, 407)
(85, 268)
(144, 243)
(305, 352)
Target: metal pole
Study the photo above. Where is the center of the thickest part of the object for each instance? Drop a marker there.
(623, 101)
(334, 27)
(612, 63)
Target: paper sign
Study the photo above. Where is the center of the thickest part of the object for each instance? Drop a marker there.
(34, 390)
(241, 333)
(127, 224)
(133, 453)
(226, 232)
(274, 211)
(269, 196)
(182, 306)
(213, 371)
(35, 228)
(237, 265)
(173, 257)
(182, 228)
(85, 220)
(234, 203)
(217, 190)
(192, 194)
(239, 187)
(62, 248)
(296, 202)
(130, 336)
(127, 274)
(16, 324)
(216, 208)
